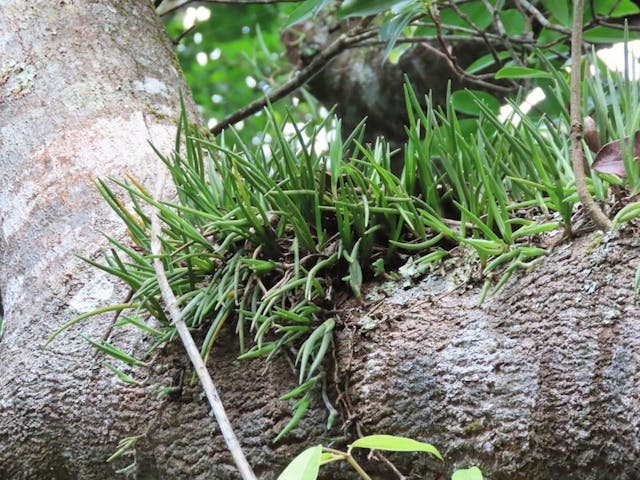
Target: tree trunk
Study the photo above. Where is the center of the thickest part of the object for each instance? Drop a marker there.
(83, 87)
(540, 382)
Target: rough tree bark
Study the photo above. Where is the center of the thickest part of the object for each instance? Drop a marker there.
(539, 383)
(83, 87)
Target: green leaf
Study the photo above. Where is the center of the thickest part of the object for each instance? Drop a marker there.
(115, 352)
(355, 271)
(476, 11)
(521, 72)
(466, 101)
(125, 445)
(364, 8)
(616, 8)
(305, 10)
(301, 408)
(472, 473)
(391, 29)
(513, 21)
(485, 62)
(392, 443)
(626, 214)
(559, 10)
(606, 35)
(128, 379)
(305, 466)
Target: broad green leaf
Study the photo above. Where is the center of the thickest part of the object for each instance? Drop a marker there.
(305, 466)
(364, 8)
(513, 21)
(468, 126)
(472, 473)
(548, 36)
(466, 101)
(560, 10)
(485, 61)
(305, 10)
(616, 8)
(521, 72)
(392, 443)
(476, 11)
(606, 35)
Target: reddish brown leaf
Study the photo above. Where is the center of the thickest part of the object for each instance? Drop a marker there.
(609, 158)
(591, 134)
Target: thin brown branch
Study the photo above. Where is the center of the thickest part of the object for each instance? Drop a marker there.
(175, 8)
(481, 31)
(446, 54)
(469, 33)
(175, 314)
(499, 26)
(391, 466)
(577, 152)
(320, 61)
(603, 23)
(464, 76)
(176, 40)
(542, 20)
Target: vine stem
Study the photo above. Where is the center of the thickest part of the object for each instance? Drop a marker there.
(577, 152)
(175, 314)
(350, 460)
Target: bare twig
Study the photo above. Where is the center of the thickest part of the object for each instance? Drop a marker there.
(481, 31)
(468, 33)
(192, 350)
(448, 56)
(542, 20)
(389, 464)
(340, 44)
(497, 22)
(577, 153)
(176, 40)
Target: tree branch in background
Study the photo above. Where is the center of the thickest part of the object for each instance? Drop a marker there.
(481, 31)
(175, 315)
(176, 40)
(542, 20)
(499, 26)
(223, 2)
(450, 57)
(340, 44)
(471, 79)
(577, 152)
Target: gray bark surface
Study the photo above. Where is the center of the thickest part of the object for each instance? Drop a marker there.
(83, 87)
(540, 382)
